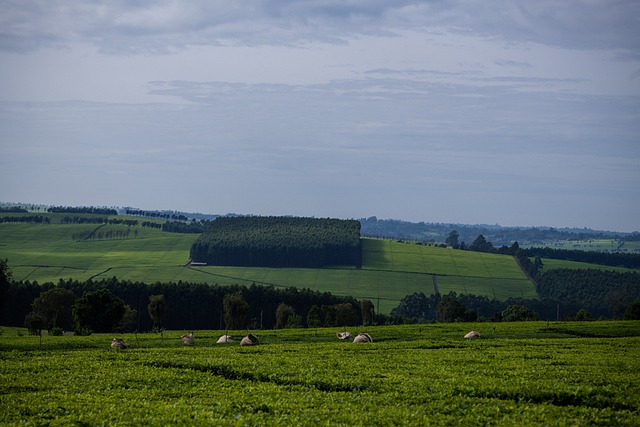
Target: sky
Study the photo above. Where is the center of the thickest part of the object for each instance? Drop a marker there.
(470, 112)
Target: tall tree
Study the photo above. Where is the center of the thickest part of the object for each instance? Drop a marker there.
(452, 240)
(157, 309)
(449, 309)
(235, 310)
(283, 312)
(55, 306)
(5, 281)
(367, 311)
(99, 311)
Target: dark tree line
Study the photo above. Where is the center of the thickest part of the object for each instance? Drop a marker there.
(279, 242)
(419, 308)
(82, 210)
(592, 257)
(156, 214)
(603, 293)
(98, 220)
(195, 227)
(13, 209)
(189, 305)
(31, 219)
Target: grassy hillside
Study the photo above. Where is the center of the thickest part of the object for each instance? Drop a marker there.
(391, 270)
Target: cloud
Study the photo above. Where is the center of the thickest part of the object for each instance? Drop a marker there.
(125, 27)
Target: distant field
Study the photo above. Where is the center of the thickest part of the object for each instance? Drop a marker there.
(603, 245)
(391, 270)
(549, 264)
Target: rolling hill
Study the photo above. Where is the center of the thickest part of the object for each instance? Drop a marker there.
(48, 252)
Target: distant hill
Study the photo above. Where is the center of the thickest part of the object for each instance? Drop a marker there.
(496, 234)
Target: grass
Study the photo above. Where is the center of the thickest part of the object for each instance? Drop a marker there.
(391, 270)
(531, 373)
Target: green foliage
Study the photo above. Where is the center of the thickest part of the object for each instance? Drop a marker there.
(157, 309)
(56, 332)
(235, 311)
(633, 312)
(279, 242)
(449, 309)
(520, 374)
(283, 312)
(603, 292)
(583, 315)
(518, 313)
(35, 323)
(55, 307)
(99, 311)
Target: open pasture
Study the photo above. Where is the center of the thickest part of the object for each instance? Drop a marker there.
(517, 374)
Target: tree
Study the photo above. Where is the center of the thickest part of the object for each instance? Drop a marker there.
(235, 310)
(55, 306)
(452, 240)
(157, 309)
(5, 281)
(583, 315)
(633, 312)
(481, 245)
(314, 317)
(518, 313)
(346, 315)
(129, 320)
(449, 309)
(99, 311)
(367, 311)
(283, 312)
(35, 323)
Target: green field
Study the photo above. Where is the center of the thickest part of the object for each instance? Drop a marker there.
(549, 264)
(391, 270)
(531, 373)
(601, 245)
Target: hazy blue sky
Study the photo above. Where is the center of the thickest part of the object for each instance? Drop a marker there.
(516, 113)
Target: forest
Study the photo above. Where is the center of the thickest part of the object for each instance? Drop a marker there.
(279, 242)
(188, 305)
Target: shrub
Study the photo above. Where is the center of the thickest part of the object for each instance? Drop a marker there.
(56, 332)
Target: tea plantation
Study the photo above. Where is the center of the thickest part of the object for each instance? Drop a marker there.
(531, 373)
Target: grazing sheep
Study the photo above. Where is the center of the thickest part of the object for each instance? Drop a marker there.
(119, 343)
(343, 335)
(473, 334)
(188, 339)
(249, 340)
(363, 338)
(224, 339)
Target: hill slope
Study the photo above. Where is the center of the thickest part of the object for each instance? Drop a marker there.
(390, 271)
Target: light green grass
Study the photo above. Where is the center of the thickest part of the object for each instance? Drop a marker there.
(517, 374)
(549, 264)
(391, 270)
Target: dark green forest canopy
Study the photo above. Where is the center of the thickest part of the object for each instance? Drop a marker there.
(276, 241)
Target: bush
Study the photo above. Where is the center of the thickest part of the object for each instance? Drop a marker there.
(583, 315)
(56, 332)
(83, 332)
(518, 313)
